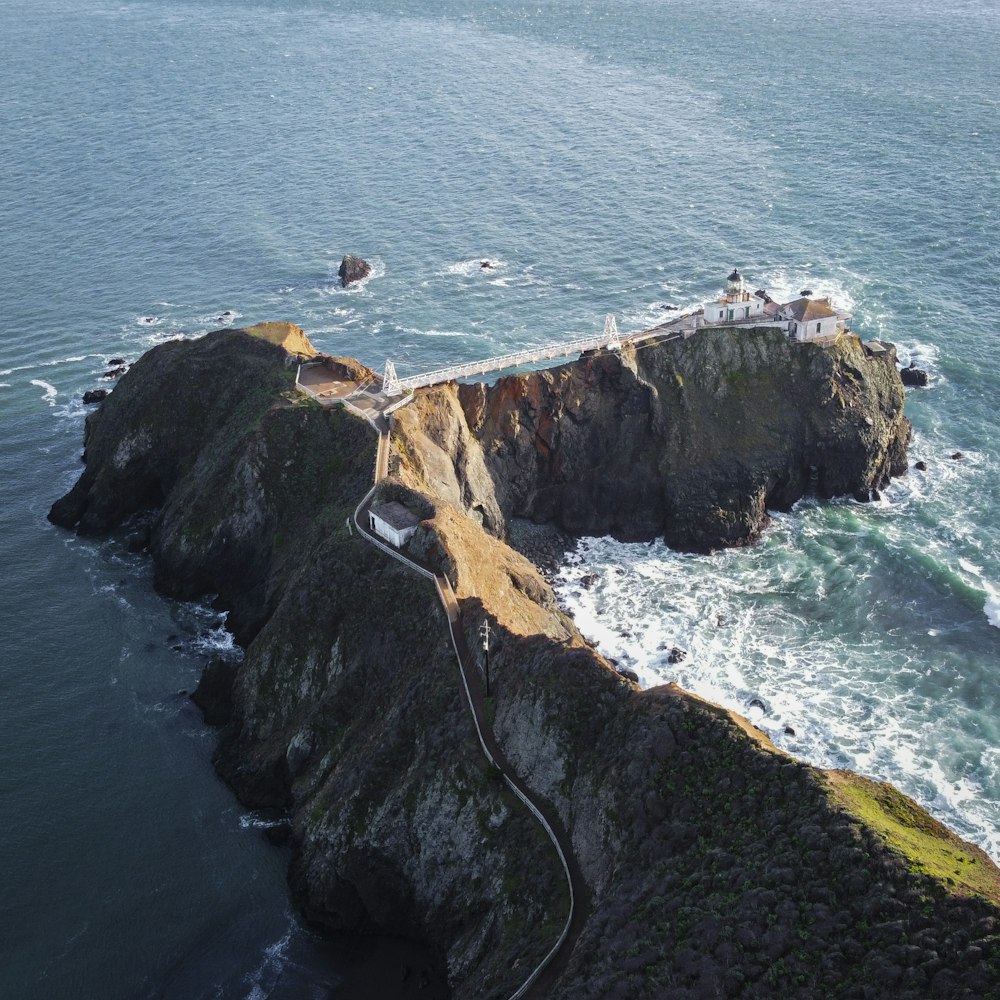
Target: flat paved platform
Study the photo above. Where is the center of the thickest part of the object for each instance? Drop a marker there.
(318, 382)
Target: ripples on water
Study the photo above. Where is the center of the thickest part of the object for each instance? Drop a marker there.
(171, 167)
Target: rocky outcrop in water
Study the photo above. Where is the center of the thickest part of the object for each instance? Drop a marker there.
(912, 375)
(716, 865)
(353, 269)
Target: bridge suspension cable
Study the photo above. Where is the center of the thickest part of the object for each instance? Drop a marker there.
(393, 385)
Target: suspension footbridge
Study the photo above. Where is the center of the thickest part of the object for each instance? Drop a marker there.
(609, 339)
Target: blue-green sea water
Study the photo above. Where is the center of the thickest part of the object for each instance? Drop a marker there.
(172, 166)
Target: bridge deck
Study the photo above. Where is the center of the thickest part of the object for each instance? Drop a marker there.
(392, 385)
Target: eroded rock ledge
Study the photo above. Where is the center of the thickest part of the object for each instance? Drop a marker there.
(718, 866)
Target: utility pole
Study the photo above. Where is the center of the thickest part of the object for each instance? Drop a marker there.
(484, 633)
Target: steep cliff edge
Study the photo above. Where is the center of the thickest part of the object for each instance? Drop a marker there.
(718, 867)
(691, 439)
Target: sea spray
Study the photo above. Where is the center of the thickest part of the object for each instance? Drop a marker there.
(802, 634)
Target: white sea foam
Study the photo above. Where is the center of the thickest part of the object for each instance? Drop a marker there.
(262, 980)
(474, 266)
(48, 364)
(762, 634)
(785, 284)
(213, 320)
(920, 355)
(50, 391)
(217, 639)
(991, 597)
(251, 821)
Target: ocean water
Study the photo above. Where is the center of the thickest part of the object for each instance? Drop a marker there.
(172, 166)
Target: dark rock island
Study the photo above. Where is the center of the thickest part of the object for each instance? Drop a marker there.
(353, 269)
(715, 865)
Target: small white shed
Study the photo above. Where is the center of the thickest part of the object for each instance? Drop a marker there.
(809, 319)
(393, 522)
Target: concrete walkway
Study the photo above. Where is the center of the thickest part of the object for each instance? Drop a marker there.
(539, 982)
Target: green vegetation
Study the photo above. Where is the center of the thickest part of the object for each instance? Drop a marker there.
(928, 846)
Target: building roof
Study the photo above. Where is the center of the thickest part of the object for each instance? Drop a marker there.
(396, 515)
(735, 276)
(808, 309)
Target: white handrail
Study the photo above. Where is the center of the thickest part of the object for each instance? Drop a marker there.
(540, 968)
(609, 338)
(536, 812)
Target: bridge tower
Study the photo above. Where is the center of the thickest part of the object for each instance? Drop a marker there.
(390, 380)
(614, 342)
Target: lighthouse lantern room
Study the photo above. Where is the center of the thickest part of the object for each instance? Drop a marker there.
(736, 287)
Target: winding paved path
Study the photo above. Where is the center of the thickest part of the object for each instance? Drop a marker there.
(539, 982)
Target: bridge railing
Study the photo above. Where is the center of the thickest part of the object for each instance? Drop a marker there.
(393, 385)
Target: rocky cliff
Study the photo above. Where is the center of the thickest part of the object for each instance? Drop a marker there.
(717, 866)
(690, 439)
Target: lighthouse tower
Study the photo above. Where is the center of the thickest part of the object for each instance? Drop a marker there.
(736, 287)
(735, 305)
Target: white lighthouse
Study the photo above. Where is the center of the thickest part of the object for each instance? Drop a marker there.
(737, 305)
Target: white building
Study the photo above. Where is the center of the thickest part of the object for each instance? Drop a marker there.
(802, 319)
(736, 305)
(393, 522)
(809, 319)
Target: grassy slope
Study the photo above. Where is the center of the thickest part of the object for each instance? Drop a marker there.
(927, 846)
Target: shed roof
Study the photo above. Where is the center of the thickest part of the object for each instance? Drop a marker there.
(396, 515)
(807, 309)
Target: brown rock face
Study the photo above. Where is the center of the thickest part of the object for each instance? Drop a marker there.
(692, 440)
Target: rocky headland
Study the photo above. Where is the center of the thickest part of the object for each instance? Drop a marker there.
(716, 866)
